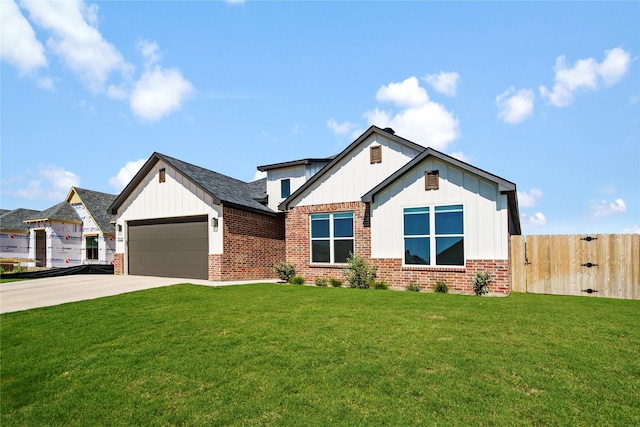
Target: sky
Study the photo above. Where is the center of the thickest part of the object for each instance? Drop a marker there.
(543, 94)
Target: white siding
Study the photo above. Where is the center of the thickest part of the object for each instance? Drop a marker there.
(297, 175)
(354, 175)
(485, 211)
(175, 197)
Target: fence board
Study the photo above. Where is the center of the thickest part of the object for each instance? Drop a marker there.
(603, 265)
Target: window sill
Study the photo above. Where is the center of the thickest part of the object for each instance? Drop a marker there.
(318, 265)
(454, 269)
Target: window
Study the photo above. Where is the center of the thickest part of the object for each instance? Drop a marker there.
(92, 248)
(431, 180)
(375, 154)
(331, 237)
(161, 175)
(285, 188)
(434, 236)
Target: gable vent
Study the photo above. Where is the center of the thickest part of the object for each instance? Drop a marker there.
(375, 154)
(431, 180)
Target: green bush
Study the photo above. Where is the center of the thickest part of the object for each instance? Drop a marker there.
(321, 282)
(359, 273)
(284, 270)
(441, 287)
(335, 283)
(297, 280)
(481, 283)
(413, 287)
(1, 270)
(380, 285)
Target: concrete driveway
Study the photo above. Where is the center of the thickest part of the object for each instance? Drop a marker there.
(28, 294)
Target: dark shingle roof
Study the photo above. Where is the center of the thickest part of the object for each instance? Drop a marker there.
(97, 204)
(223, 189)
(61, 212)
(14, 220)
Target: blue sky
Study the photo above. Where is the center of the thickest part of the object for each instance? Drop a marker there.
(546, 95)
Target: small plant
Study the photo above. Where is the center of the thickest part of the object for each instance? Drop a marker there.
(380, 285)
(441, 287)
(481, 283)
(285, 271)
(413, 287)
(321, 282)
(19, 269)
(1, 270)
(359, 273)
(335, 283)
(297, 280)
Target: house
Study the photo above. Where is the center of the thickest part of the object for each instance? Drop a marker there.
(417, 214)
(14, 237)
(176, 219)
(74, 232)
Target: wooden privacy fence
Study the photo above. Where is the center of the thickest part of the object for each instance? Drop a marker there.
(601, 265)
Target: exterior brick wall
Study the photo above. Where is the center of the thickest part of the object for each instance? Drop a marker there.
(253, 244)
(118, 263)
(459, 279)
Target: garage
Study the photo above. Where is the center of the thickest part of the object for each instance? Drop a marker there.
(169, 247)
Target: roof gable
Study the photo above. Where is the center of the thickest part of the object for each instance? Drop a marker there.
(222, 188)
(504, 186)
(387, 133)
(97, 205)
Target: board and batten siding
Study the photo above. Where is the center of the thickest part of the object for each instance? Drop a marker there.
(176, 197)
(296, 174)
(485, 211)
(354, 175)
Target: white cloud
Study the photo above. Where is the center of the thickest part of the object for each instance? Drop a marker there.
(158, 93)
(341, 128)
(126, 174)
(536, 220)
(45, 83)
(529, 199)
(407, 93)
(52, 183)
(634, 229)
(604, 208)
(585, 74)
(417, 118)
(259, 175)
(18, 43)
(515, 107)
(446, 83)
(75, 38)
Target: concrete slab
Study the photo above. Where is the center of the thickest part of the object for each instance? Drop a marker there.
(34, 293)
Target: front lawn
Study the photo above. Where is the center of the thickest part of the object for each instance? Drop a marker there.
(297, 355)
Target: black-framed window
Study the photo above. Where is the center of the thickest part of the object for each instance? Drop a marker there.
(91, 244)
(285, 188)
(332, 237)
(434, 236)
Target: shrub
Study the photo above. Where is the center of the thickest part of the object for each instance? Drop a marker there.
(297, 280)
(284, 270)
(380, 285)
(1, 270)
(359, 273)
(335, 283)
(321, 282)
(413, 287)
(441, 287)
(481, 283)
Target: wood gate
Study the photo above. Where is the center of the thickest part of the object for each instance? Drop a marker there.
(601, 265)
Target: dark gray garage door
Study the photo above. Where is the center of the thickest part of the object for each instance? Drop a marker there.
(169, 247)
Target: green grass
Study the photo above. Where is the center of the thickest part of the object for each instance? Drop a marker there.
(300, 355)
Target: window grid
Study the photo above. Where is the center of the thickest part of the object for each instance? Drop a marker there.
(332, 237)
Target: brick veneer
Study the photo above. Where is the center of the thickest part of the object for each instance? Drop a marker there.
(118, 263)
(459, 279)
(253, 244)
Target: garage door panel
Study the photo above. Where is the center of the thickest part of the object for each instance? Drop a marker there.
(171, 249)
